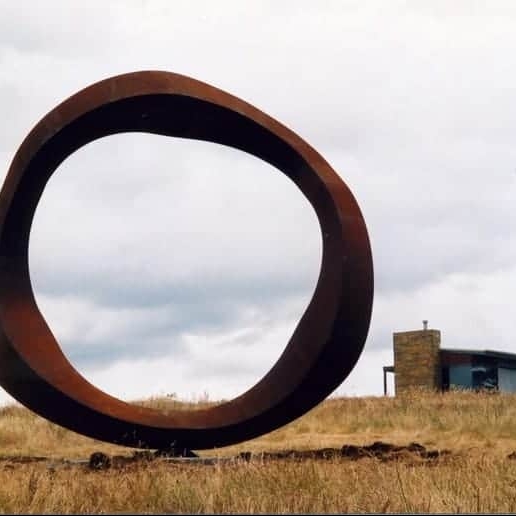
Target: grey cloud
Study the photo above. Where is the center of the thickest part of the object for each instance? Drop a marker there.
(56, 28)
(94, 336)
(411, 103)
(127, 229)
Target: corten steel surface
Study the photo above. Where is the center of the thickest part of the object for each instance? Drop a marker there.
(327, 341)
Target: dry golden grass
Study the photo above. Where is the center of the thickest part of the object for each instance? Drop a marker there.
(479, 429)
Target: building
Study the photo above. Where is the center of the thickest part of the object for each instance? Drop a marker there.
(419, 361)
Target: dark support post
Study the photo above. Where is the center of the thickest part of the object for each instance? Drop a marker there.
(384, 382)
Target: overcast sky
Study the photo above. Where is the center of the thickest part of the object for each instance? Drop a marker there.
(172, 266)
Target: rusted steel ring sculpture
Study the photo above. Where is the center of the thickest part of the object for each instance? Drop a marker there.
(327, 341)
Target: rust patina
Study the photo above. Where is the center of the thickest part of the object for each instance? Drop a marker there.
(327, 341)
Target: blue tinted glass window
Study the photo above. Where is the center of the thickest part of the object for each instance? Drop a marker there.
(460, 376)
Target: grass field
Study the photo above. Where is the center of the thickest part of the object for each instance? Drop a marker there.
(476, 475)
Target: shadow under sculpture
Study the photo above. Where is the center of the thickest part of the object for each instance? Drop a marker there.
(327, 341)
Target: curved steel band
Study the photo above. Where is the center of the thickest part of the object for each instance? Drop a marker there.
(327, 341)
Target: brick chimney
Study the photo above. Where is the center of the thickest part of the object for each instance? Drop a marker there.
(417, 359)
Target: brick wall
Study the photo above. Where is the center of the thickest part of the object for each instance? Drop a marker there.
(416, 360)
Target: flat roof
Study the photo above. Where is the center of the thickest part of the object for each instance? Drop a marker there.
(484, 352)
